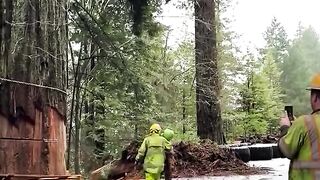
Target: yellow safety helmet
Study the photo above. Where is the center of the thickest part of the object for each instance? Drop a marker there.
(155, 128)
(315, 82)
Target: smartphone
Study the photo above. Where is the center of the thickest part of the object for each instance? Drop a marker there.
(289, 110)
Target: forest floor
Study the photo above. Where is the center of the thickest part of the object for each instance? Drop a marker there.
(190, 160)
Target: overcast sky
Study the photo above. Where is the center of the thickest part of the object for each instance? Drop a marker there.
(250, 19)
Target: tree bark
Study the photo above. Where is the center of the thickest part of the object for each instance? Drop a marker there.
(32, 51)
(184, 113)
(167, 166)
(209, 123)
(77, 124)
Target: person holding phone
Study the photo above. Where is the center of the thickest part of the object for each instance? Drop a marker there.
(300, 141)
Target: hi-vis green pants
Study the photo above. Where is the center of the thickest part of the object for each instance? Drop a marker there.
(152, 176)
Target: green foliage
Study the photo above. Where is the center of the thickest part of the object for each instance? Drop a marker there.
(127, 82)
(260, 97)
(254, 101)
(189, 136)
(229, 66)
(279, 77)
(174, 89)
(274, 104)
(116, 71)
(277, 41)
(301, 63)
(142, 16)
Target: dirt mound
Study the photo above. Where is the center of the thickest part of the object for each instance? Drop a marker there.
(206, 159)
(188, 160)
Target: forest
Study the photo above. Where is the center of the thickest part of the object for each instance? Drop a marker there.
(117, 74)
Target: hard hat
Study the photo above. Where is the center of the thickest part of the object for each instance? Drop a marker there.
(315, 82)
(168, 134)
(155, 128)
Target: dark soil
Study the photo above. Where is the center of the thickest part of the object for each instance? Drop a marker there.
(207, 159)
(188, 160)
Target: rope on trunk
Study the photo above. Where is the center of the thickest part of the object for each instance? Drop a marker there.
(32, 84)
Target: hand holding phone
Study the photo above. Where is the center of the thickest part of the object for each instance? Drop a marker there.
(289, 110)
(284, 120)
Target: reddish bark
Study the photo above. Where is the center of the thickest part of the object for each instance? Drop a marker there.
(34, 157)
(34, 53)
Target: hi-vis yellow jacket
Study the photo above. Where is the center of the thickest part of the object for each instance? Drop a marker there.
(301, 145)
(152, 151)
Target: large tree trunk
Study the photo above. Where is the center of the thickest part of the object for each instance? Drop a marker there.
(32, 119)
(209, 121)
